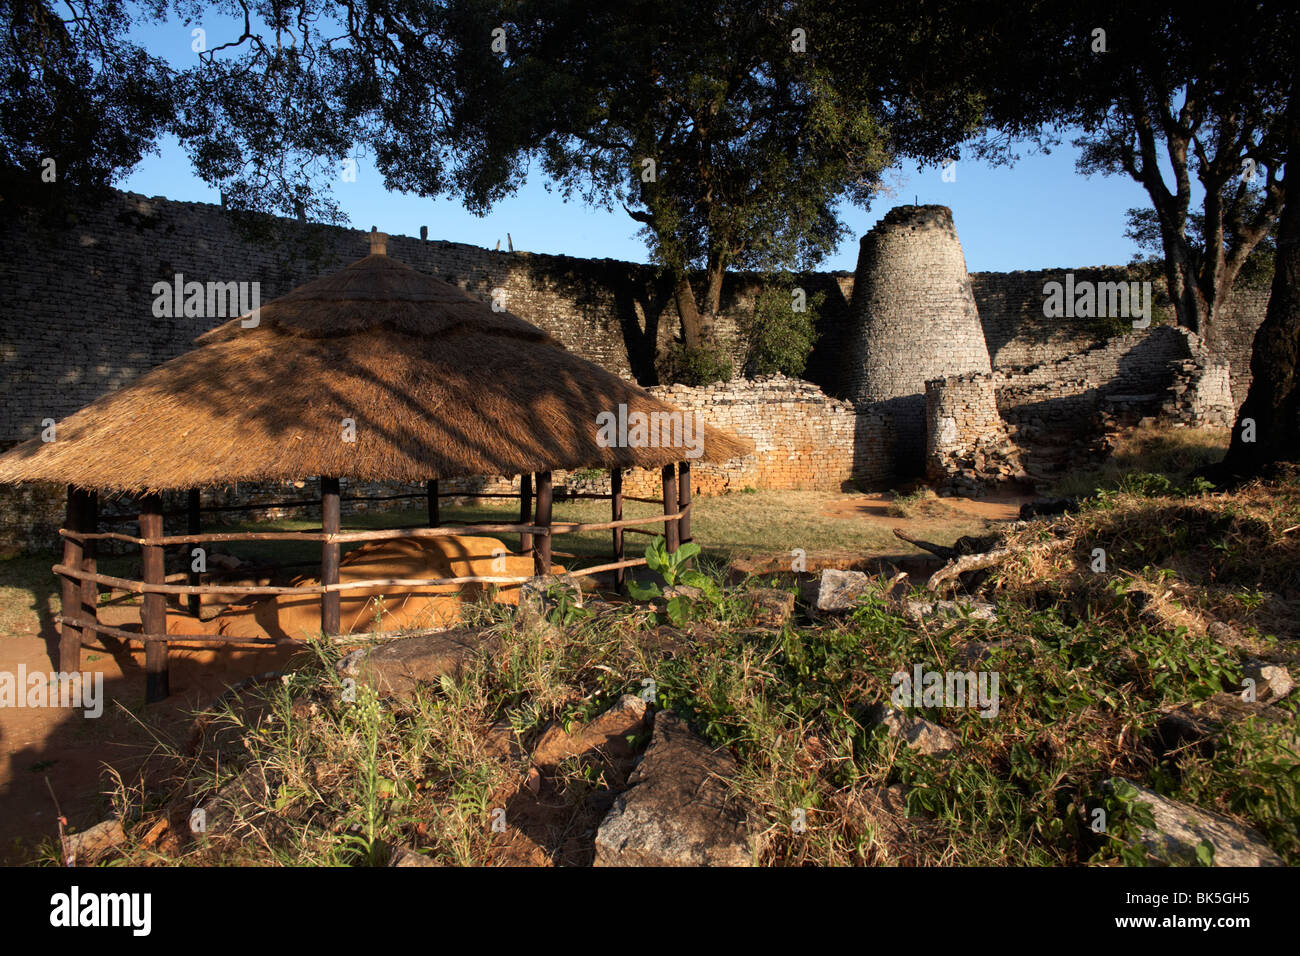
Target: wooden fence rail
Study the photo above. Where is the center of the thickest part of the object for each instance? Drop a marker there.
(82, 580)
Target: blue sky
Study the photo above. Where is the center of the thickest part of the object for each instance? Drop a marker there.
(1036, 214)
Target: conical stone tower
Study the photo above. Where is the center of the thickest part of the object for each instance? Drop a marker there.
(913, 318)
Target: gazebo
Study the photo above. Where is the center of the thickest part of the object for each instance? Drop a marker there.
(374, 373)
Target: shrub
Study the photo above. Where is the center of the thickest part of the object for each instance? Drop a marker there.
(778, 338)
(705, 365)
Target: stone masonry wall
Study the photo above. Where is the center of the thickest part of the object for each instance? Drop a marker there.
(968, 446)
(1066, 393)
(1018, 334)
(913, 318)
(803, 438)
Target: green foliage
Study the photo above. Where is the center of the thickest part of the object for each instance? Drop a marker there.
(1144, 229)
(674, 569)
(79, 92)
(778, 338)
(695, 366)
(564, 608)
(1145, 484)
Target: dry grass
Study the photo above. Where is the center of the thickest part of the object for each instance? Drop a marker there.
(1156, 449)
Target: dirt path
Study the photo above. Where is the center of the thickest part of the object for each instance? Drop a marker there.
(52, 752)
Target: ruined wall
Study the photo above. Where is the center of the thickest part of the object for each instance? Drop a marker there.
(968, 446)
(803, 438)
(1018, 333)
(77, 319)
(1065, 394)
(1018, 423)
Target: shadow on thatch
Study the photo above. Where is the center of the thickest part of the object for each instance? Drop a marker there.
(428, 381)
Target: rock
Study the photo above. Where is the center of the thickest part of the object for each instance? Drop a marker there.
(90, 845)
(678, 811)
(841, 590)
(772, 607)
(1181, 827)
(1202, 723)
(238, 802)
(607, 734)
(1272, 681)
(540, 593)
(681, 591)
(976, 652)
(975, 610)
(397, 668)
(917, 733)
(405, 856)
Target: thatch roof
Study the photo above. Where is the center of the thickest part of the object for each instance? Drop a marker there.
(438, 385)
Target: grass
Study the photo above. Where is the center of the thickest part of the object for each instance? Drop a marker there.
(1090, 663)
(1086, 676)
(1154, 449)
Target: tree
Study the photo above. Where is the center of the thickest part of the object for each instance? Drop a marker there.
(1156, 88)
(1268, 425)
(710, 124)
(81, 105)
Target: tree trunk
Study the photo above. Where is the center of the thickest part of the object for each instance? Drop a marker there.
(713, 295)
(1273, 402)
(687, 311)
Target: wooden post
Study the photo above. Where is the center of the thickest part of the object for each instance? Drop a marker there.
(330, 523)
(193, 525)
(670, 506)
(684, 499)
(69, 632)
(435, 518)
(616, 514)
(153, 617)
(525, 510)
(89, 563)
(542, 542)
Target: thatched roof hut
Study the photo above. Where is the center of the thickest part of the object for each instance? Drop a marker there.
(436, 383)
(374, 373)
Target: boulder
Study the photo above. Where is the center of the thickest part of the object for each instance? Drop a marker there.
(405, 856)
(606, 735)
(975, 610)
(397, 668)
(1181, 827)
(1272, 681)
(771, 607)
(841, 590)
(678, 810)
(90, 845)
(917, 733)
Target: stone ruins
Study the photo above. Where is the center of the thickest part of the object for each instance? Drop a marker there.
(919, 368)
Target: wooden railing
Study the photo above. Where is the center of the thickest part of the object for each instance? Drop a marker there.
(82, 580)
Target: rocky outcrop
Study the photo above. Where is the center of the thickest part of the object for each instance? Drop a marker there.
(678, 810)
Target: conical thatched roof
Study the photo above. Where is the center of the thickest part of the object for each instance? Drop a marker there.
(438, 385)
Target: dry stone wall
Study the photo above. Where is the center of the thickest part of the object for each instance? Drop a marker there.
(913, 318)
(1065, 394)
(968, 445)
(983, 429)
(1018, 333)
(76, 321)
(803, 438)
